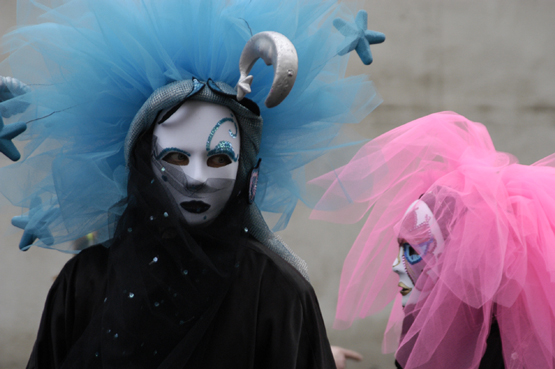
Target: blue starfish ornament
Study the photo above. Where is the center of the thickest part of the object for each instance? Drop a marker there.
(35, 225)
(7, 134)
(358, 37)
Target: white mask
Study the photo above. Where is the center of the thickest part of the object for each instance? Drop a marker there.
(196, 157)
(420, 227)
(399, 267)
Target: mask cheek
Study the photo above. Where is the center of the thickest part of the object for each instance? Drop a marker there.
(228, 172)
(219, 198)
(405, 282)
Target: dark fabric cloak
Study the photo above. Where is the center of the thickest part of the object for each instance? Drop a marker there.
(268, 317)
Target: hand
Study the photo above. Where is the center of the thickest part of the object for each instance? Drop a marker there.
(341, 355)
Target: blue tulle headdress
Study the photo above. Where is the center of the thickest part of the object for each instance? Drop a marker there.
(90, 65)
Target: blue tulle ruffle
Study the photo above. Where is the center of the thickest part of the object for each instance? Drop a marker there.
(91, 64)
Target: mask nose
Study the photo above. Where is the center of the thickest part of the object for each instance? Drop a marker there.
(196, 171)
(194, 185)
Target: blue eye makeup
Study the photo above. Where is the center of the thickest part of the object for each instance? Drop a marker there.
(224, 147)
(412, 258)
(170, 150)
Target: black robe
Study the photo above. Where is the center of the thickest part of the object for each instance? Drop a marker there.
(268, 317)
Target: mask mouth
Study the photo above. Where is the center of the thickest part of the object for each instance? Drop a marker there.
(195, 207)
(405, 290)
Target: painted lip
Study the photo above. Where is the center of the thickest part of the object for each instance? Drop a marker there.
(195, 207)
(405, 290)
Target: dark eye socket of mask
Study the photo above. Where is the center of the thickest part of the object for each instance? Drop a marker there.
(409, 249)
(176, 158)
(410, 254)
(218, 161)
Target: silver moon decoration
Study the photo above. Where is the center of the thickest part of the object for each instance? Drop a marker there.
(275, 49)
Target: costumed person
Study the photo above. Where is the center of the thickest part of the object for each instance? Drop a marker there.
(470, 233)
(136, 133)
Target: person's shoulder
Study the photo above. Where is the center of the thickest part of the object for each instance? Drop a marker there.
(273, 267)
(91, 262)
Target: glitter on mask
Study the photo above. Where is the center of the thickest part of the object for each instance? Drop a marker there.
(169, 150)
(234, 135)
(213, 132)
(224, 147)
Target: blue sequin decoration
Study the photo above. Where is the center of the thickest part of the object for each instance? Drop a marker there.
(224, 147)
(213, 132)
(234, 135)
(168, 150)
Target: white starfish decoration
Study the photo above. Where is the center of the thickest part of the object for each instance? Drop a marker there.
(243, 87)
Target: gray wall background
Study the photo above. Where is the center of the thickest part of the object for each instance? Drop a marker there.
(490, 60)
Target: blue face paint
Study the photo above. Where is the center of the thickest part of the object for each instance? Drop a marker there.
(224, 147)
(412, 259)
(421, 249)
(169, 150)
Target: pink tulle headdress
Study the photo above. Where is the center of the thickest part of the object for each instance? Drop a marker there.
(497, 258)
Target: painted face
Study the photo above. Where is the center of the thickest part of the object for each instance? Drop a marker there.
(400, 267)
(419, 235)
(196, 157)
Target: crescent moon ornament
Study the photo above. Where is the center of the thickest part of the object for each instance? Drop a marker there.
(275, 49)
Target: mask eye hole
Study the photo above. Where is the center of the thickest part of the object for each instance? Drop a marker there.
(176, 158)
(218, 161)
(410, 254)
